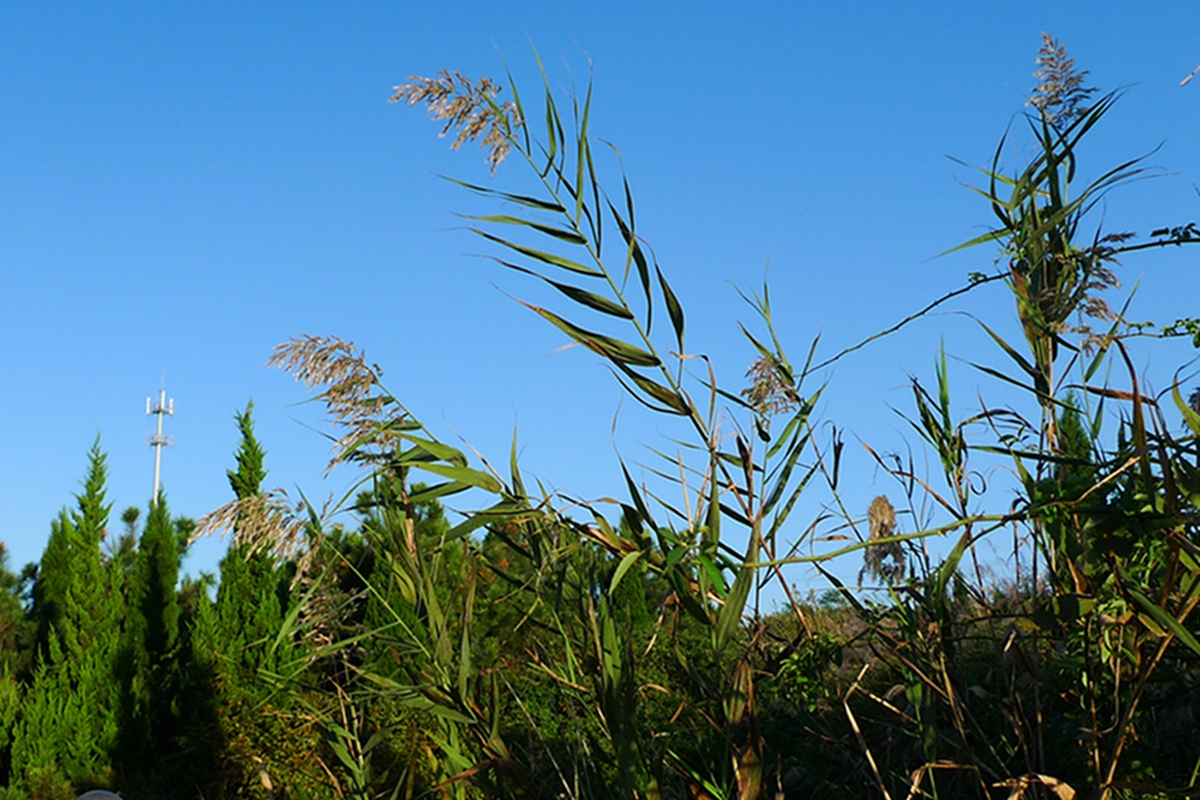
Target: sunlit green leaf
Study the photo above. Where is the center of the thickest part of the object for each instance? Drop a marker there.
(674, 310)
(614, 349)
(545, 258)
(626, 562)
(472, 477)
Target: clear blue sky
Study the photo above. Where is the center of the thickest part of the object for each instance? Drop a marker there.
(185, 185)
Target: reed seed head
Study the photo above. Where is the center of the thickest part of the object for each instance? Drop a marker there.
(770, 392)
(467, 106)
(882, 559)
(1060, 95)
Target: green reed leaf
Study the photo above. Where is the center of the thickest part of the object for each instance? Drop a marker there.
(1165, 619)
(1189, 414)
(638, 257)
(674, 402)
(674, 310)
(626, 562)
(562, 234)
(436, 491)
(613, 349)
(545, 258)
(519, 199)
(443, 451)
(471, 477)
(591, 300)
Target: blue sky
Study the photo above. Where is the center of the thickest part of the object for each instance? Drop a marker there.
(183, 186)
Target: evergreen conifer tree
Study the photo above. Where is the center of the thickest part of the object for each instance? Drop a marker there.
(68, 725)
(16, 630)
(148, 664)
(233, 653)
(248, 607)
(53, 579)
(16, 646)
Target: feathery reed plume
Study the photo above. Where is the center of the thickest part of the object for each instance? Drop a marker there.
(1060, 94)
(769, 393)
(267, 522)
(469, 107)
(272, 523)
(326, 612)
(354, 396)
(882, 559)
(259, 522)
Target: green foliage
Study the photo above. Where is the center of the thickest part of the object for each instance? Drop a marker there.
(235, 719)
(148, 666)
(246, 480)
(53, 582)
(547, 646)
(68, 724)
(67, 727)
(1104, 611)
(803, 674)
(16, 630)
(10, 699)
(48, 783)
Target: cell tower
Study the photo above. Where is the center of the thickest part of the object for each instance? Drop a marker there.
(157, 440)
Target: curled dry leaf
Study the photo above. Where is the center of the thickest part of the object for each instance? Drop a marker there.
(1019, 786)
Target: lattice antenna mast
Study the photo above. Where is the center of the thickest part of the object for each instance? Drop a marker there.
(157, 440)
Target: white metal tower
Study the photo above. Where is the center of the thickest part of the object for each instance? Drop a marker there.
(157, 440)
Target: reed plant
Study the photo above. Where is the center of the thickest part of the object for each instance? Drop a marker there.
(618, 648)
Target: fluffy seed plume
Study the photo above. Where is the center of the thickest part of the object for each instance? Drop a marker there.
(882, 559)
(267, 522)
(1060, 95)
(272, 523)
(770, 392)
(353, 394)
(468, 106)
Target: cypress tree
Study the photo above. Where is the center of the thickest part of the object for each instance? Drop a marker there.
(16, 645)
(53, 579)
(16, 630)
(69, 722)
(156, 605)
(233, 650)
(148, 666)
(246, 480)
(248, 608)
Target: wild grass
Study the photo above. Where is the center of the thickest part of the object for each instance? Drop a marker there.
(618, 648)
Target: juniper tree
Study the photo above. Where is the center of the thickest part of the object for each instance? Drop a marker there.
(68, 725)
(248, 603)
(16, 646)
(148, 668)
(234, 654)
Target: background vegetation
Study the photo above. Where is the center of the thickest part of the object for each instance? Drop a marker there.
(652, 645)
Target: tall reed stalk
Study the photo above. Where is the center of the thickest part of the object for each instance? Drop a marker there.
(958, 688)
